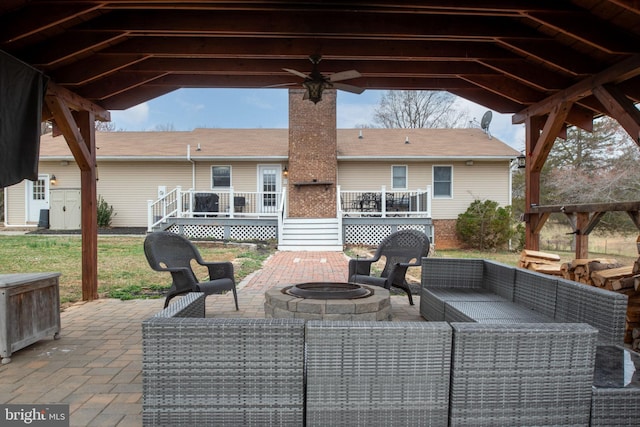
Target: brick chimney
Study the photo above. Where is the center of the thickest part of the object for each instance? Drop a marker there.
(313, 158)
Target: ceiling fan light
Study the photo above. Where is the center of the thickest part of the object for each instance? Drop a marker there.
(314, 90)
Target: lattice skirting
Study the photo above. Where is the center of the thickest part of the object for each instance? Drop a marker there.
(372, 234)
(354, 234)
(233, 232)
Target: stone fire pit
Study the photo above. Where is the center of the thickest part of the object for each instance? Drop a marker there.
(323, 301)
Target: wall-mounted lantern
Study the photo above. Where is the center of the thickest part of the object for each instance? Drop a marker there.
(285, 172)
(53, 180)
(522, 161)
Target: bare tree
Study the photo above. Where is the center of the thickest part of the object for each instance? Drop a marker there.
(591, 167)
(167, 127)
(419, 109)
(105, 126)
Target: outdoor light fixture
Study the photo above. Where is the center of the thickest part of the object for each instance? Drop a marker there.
(53, 180)
(285, 172)
(522, 161)
(314, 90)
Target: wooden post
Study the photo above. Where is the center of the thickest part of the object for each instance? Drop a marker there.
(532, 185)
(582, 239)
(89, 209)
(75, 117)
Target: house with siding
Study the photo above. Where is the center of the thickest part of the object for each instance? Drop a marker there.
(311, 186)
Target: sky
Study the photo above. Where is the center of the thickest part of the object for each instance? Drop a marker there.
(187, 109)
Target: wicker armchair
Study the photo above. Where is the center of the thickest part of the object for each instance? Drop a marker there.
(166, 251)
(402, 249)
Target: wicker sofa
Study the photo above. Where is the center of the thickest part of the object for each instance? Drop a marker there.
(208, 371)
(476, 290)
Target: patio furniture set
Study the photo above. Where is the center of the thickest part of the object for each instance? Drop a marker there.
(503, 346)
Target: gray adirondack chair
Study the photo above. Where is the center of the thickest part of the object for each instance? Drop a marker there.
(171, 252)
(402, 249)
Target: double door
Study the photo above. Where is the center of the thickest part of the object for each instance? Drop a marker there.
(65, 209)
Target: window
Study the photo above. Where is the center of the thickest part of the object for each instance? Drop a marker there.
(399, 177)
(442, 181)
(221, 176)
(39, 188)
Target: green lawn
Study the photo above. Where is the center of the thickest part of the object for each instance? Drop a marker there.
(123, 271)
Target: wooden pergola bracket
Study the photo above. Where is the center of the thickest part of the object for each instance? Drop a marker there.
(584, 218)
(75, 117)
(552, 127)
(558, 110)
(620, 108)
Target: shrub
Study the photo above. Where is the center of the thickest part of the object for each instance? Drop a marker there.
(105, 213)
(485, 225)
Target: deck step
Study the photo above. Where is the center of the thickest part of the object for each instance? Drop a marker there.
(311, 234)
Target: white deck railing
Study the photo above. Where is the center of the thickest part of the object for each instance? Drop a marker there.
(208, 203)
(383, 203)
(228, 203)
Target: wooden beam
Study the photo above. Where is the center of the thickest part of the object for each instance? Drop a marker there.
(69, 128)
(552, 127)
(620, 108)
(542, 220)
(589, 207)
(77, 103)
(594, 219)
(635, 217)
(621, 71)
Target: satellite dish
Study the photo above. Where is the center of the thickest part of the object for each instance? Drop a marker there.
(485, 122)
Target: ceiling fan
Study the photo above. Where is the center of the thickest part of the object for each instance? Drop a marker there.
(315, 82)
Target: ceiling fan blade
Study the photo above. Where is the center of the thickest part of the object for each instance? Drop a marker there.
(296, 72)
(282, 85)
(344, 75)
(348, 88)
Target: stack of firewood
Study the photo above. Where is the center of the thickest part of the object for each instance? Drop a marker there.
(540, 261)
(603, 273)
(594, 271)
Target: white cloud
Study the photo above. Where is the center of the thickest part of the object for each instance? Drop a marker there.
(132, 117)
(354, 115)
(258, 102)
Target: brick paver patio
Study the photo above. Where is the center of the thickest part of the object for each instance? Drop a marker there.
(96, 365)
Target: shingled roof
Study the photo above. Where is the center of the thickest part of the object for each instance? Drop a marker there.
(253, 144)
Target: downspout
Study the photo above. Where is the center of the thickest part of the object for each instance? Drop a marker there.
(5, 207)
(193, 167)
(511, 170)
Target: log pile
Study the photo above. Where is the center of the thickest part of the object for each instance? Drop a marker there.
(603, 273)
(540, 261)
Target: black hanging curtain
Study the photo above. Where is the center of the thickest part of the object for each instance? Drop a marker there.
(22, 90)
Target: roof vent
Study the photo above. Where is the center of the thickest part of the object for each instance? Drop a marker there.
(360, 135)
(406, 140)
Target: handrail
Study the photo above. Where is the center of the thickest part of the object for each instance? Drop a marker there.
(396, 202)
(166, 206)
(282, 214)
